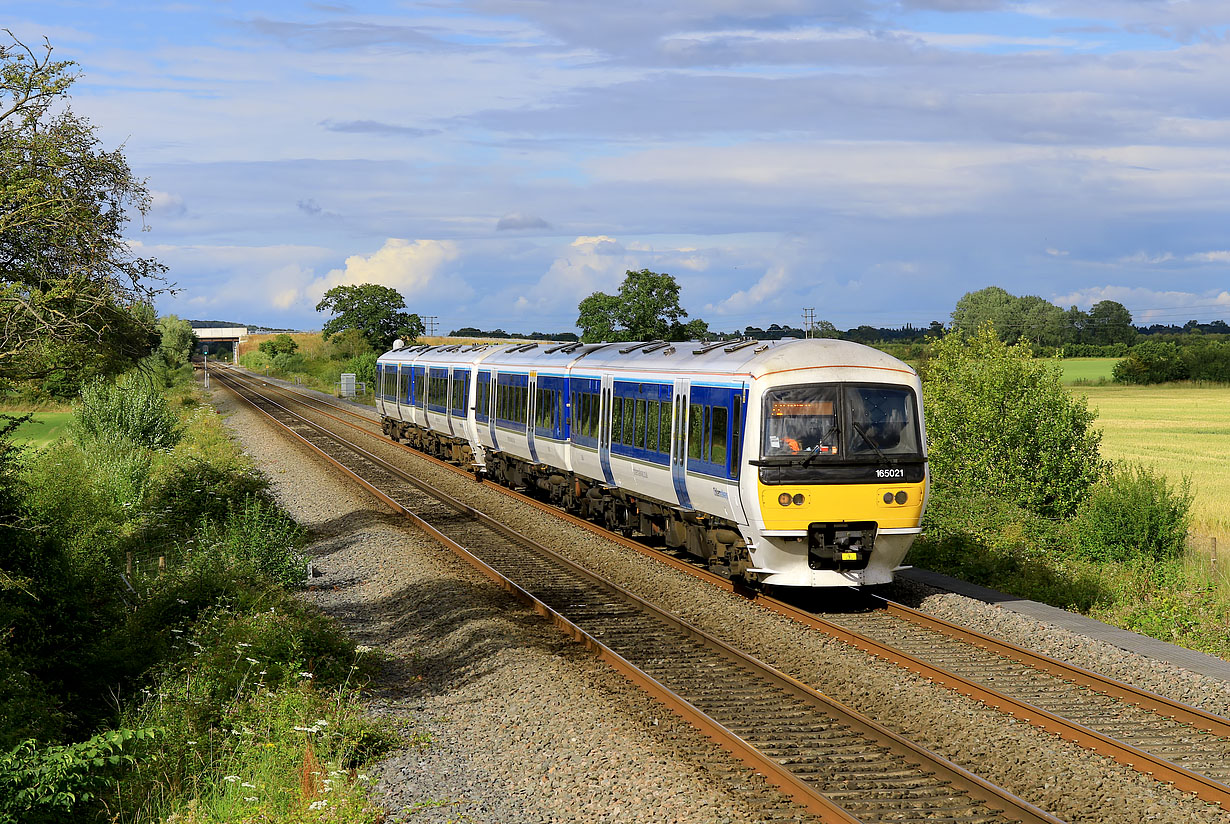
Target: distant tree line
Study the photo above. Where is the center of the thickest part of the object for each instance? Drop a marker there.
(475, 332)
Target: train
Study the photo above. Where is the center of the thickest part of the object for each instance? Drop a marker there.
(792, 463)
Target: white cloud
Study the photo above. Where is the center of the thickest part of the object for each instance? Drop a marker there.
(412, 268)
(1053, 252)
(1218, 256)
(1146, 258)
(589, 264)
(166, 203)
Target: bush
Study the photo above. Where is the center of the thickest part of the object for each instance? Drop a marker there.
(1151, 362)
(364, 368)
(1000, 424)
(1133, 513)
(280, 345)
(259, 532)
(135, 412)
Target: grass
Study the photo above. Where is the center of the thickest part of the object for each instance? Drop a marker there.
(1181, 430)
(43, 430)
(1086, 371)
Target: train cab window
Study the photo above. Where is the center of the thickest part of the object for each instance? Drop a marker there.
(717, 435)
(881, 421)
(801, 419)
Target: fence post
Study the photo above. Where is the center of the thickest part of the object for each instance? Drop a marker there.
(128, 563)
(162, 564)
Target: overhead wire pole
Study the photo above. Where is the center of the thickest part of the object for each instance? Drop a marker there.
(431, 321)
(809, 322)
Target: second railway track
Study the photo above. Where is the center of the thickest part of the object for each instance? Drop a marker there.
(1189, 751)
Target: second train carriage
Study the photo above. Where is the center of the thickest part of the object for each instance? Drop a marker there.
(794, 463)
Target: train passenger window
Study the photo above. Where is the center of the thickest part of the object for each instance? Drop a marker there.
(638, 440)
(617, 416)
(629, 422)
(664, 442)
(651, 425)
(736, 426)
(717, 436)
(696, 429)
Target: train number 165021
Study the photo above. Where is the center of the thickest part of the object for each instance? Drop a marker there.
(890, 473)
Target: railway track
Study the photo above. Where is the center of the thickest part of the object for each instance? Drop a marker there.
(1167, 740)
(835, 763)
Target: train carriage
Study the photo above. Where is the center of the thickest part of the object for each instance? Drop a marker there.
(796, 463)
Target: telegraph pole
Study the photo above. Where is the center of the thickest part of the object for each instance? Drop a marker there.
(809, 322)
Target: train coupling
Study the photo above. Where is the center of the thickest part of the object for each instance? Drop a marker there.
(840, 546)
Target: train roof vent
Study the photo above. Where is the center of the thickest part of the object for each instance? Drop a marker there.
(735, 347)
(636, 346)
(522, 347)
(709, 347)
(654, 346)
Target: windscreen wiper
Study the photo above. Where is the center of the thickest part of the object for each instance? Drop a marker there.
(869, 441)
(815, 450)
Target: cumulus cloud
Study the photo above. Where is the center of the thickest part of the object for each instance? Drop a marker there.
(521, 220)
(412, 268)
(1053, 252)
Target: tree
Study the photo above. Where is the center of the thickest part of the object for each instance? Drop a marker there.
(72, 291)
(646, 308)
(374, 310)
(176, 340)
(282, 344)
(991, 305)
(1110, 322)
(1001, 426)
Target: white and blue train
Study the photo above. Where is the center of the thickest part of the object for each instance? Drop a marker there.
(790, 463)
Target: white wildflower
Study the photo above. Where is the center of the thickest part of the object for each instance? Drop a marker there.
(230, 779)
(318, 805)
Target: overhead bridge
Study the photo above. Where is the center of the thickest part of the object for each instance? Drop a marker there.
(231, 335)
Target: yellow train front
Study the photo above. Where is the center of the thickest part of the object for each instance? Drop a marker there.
(835, 488)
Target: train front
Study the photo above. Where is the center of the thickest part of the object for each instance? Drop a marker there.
(841, 470)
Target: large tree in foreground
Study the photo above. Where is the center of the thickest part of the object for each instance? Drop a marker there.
(74, 296)
(373, 310)
(646, 308)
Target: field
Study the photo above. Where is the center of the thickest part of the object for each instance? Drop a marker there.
(45, 428)
(1087, 371)
(1182, 430)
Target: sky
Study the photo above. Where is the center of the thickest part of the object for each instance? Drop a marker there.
(496, 161)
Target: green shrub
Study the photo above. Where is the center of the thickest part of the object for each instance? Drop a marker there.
(259, 532)
(50, 784)
(133, 411)
(1001, 425)
(363, 366)
(1133, 513)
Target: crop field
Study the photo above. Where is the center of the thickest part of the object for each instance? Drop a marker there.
(1087, 370)
(45, 428)
(1180, 429)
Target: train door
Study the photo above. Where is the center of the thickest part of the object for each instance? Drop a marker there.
(604, 427)
(530, 415)
(493, 409)
(679, 442)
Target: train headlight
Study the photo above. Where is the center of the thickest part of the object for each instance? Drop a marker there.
(902, 497)
(784, 499)
(798, 499)
(888, 497)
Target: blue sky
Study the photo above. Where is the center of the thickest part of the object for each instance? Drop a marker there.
(498, 160)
